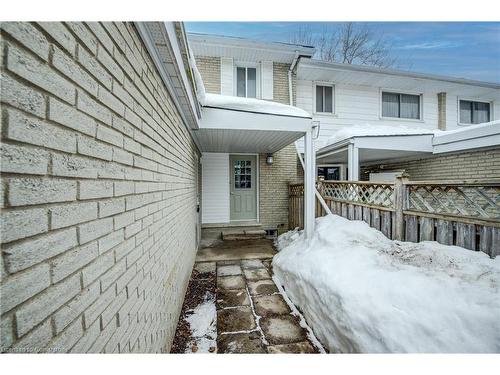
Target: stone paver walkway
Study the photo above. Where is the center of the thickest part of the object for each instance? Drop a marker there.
(252, 315)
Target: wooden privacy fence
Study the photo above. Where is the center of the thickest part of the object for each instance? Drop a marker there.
(465, 214)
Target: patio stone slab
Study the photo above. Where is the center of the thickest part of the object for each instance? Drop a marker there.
(237, 250)
(252, 263)
(270, 305)
(261, 287)
(282, 329)
(205, 267)
(231, 282)
(240, 343)
(294, 348)
(229, 270)
(232, 298)
(257, 274)
(234, 320)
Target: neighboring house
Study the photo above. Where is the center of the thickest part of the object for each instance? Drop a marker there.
(342, 96)
(249, 69)
(389, 104)
(103, 127)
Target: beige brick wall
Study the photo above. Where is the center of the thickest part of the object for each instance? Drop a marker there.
(98, 192)
(209, 68)
(280, 83)
(479, 165)
(273, 187)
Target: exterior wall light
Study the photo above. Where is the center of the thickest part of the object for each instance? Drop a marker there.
(269, 159)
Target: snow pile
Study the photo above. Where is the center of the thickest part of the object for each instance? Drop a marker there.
(374, 130)
(287, 238)
(202, 323)
(361, 292)
(252, 105)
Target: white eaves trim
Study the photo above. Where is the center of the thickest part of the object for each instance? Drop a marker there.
(222, 118)
(438, 142)
(472, 137)
(167, 70)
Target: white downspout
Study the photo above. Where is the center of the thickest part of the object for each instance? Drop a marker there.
(290, 88)
(290, 93)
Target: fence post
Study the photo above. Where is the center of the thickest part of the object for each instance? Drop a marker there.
(400, 204)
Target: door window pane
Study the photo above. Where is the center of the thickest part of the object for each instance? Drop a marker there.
(240, 82)
(243, 174)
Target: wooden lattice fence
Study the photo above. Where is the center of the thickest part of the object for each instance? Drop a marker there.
(465, 214)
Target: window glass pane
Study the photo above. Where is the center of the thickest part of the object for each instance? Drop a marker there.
(240, 82)
(328, 99)
(481, 112)
(319, 98)
(410, 106)
(465, 112)
(390, 104)
(333, 173)
(251, 82)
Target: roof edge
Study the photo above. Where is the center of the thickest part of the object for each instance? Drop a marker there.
(370, 69)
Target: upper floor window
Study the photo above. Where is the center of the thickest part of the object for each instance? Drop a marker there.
(324, 99)
(474, 112)
(246, 82)
(400, 105)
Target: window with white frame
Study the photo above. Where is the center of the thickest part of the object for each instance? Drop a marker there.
(472, 112)
(246, 82)
(323, 98)
(399, 105)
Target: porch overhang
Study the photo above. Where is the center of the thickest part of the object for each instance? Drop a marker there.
(237, 130)
(370, 149)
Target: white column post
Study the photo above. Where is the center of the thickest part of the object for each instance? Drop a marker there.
(353, 162)
(309, 184)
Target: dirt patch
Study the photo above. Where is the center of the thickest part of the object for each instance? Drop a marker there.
(199, 285)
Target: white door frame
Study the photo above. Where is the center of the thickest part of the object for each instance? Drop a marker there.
(257, 176)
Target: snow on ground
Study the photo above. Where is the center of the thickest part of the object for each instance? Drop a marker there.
(361, 292)
(202, 322)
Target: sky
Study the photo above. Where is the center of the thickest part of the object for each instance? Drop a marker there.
(458, 49)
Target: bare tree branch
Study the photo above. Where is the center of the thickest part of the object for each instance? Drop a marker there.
(351, 43)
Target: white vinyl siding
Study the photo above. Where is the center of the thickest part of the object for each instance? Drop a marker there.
(399, 105)
(226, 76)
(215, 188)
(267, 77)
(355, 104)
(472, 112)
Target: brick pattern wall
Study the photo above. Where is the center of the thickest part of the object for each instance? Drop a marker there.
(98, 192)
(209, 68)
(479, 165)
(273, 187)
(280, 83)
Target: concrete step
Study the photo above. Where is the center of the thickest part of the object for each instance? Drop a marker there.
(232, 235)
